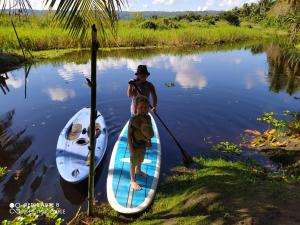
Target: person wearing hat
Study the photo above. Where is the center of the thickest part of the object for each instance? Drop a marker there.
(140, 132)
(146, 88)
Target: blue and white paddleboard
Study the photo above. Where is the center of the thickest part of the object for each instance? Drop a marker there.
(121, 196)
(72, 151)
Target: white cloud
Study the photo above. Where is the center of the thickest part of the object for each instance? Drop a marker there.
(145, 6)
(223, 4)
(206, 6)
(59, 94)
(164, 2)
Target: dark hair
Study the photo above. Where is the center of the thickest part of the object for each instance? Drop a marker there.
(140, 98)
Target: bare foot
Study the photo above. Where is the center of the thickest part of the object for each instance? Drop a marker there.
(142, 174)
(135, 186)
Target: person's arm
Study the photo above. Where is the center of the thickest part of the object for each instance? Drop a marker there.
(154, 98)
(130, 90)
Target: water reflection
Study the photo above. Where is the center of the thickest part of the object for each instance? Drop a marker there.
(18, 179)
(13, 145)
(284, 72)
(3, 84)
(186, 73)
(9, 79)
(60, 94)
(284, 66)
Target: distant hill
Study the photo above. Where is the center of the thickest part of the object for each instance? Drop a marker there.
(146, 14)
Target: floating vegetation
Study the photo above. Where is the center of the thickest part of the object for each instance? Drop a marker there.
(228, 147)
(171, 84)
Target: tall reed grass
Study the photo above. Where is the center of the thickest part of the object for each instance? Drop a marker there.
(41, 35)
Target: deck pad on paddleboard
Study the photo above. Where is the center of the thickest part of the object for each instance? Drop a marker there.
(72, 150)
(120, 195)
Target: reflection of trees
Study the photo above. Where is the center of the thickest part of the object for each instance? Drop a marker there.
(17, 179)
(284, 69)
(12, 145)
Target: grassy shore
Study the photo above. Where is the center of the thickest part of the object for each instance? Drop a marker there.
(36, 37)
(220, 192)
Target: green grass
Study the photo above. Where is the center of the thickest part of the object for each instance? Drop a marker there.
(220, 192)
(35, 36)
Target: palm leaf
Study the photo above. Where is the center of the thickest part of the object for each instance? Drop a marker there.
(15, 6)
(78, 16)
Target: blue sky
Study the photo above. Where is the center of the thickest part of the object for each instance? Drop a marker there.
(173, 5)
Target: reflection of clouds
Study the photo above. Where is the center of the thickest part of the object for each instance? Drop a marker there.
(14, 82)
(59, 94)
(183, 66)
(233, 60)
(262, 76)
(68, 70)
(259, 76)
(186, 74)
(237, 61)
(249, 83)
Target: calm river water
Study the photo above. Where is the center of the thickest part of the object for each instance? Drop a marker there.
(203, 95)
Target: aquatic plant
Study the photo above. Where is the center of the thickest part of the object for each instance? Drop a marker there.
(227, 146)
(268, 118)
(290, 124)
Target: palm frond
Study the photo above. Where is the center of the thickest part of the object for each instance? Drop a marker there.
(15, 6)
(78, 16)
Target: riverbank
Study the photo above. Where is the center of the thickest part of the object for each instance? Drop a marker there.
(220, 192)
(36, 38)
(10, 61)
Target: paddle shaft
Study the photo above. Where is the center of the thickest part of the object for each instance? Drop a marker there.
(186, 157)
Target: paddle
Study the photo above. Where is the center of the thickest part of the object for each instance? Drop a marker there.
(187, 159)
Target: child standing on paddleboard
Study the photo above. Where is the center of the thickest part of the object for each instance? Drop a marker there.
(140, 132)
(146, 88)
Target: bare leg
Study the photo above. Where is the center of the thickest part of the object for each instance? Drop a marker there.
(134, 185)
(139, 171)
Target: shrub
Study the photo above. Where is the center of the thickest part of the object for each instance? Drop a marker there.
(232, 19)
(149, 25)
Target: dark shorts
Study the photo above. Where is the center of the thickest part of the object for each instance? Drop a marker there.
(138, 156)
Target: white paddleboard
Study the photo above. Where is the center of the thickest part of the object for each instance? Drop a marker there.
(72, 151)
